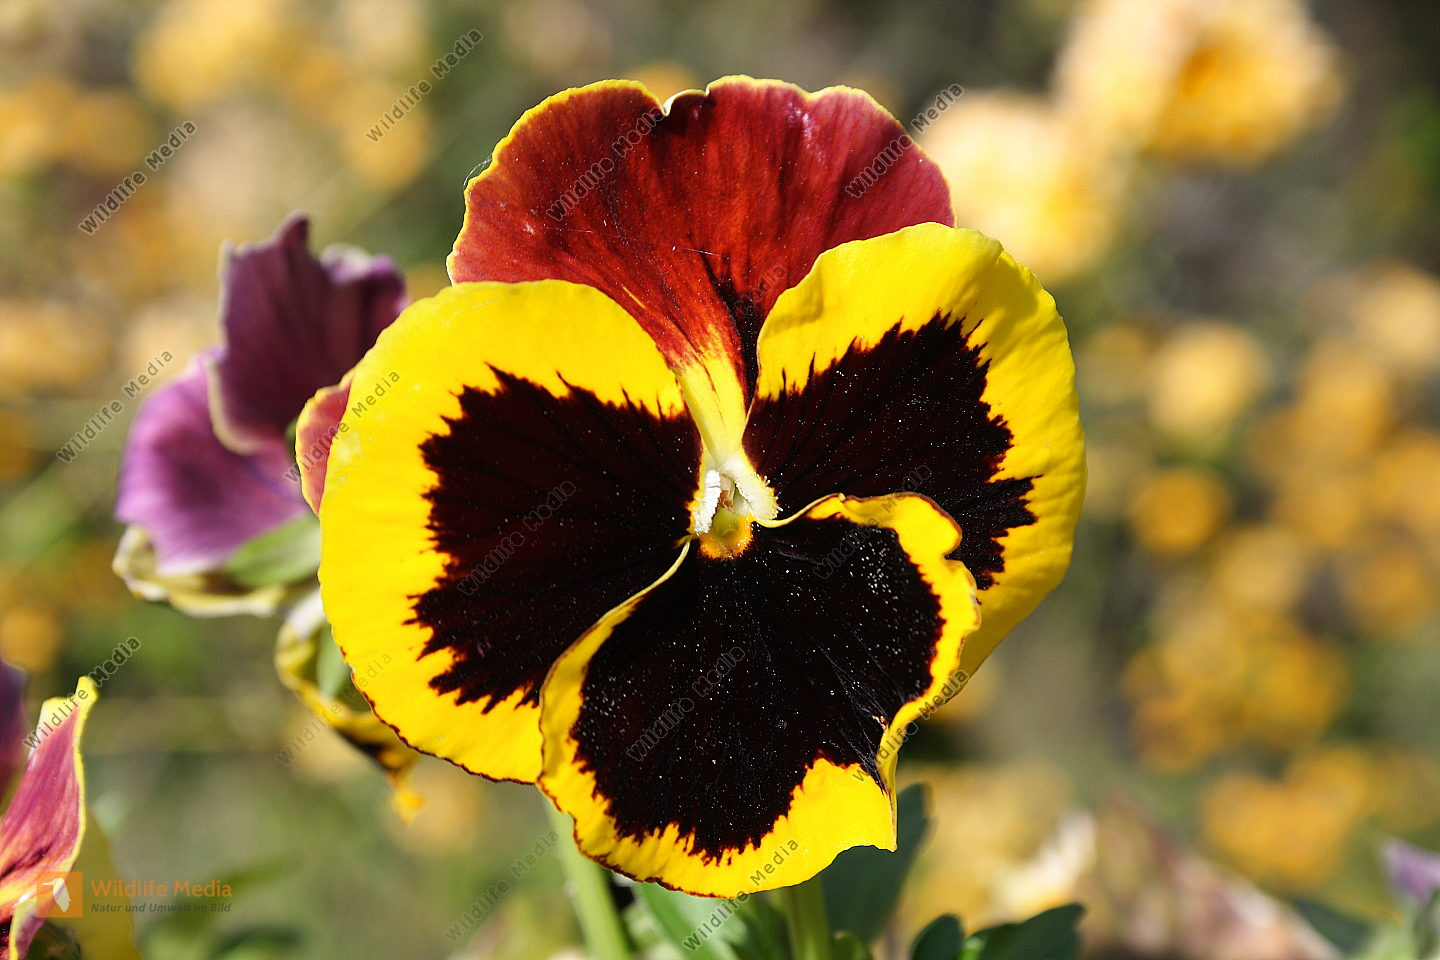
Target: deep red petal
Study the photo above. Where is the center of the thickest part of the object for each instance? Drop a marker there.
(694, 219)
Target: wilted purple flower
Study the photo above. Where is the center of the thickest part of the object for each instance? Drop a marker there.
(208, 465)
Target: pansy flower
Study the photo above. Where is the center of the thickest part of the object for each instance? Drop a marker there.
(706, 478)
(208, 465)
(41, 829)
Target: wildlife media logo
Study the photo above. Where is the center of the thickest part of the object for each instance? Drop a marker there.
(59, 893)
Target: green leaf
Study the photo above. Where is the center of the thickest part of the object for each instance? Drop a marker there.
(1051, 935)
(942, 939)
(863, 885)
(1348, 933)
(287, 554)
(760, 930)
(700, 927)
(847, 946)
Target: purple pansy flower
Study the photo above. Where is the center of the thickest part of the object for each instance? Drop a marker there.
(208, 464)
(41, 830)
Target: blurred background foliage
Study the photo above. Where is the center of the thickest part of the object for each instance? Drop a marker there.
(1235, 204)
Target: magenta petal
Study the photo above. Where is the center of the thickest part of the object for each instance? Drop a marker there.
(12, 722)
(197, 499)
(42, 828)
(293, 324)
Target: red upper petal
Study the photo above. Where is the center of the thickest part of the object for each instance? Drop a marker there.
(694, 219)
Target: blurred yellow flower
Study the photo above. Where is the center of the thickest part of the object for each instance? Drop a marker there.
(1330, 791)
(1296, 687)
(314, 82)
(197, 52)
(394, 157)
(1211, 81)
(17, 452)
(1030, 176)
(1263, 567)
(1327, 508)
(1390, 311)
(1216, 678)
(30, 637)
(108, 133)
(986, 821)
(1203, 377)
(30, 113)
(49, 346)
(1178, 510)
(384, 37)
(139, 254)
(1177, 732)
(1403, 483)
(1388, 584)
(1345, 404)
(1291, 834)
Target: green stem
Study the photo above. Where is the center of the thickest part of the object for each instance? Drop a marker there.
(589, 887)
(808, 927)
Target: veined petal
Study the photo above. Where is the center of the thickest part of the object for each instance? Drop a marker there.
(929, 360)
(196, 499)
(43, 826)
(734, 727)
(693, 216)
(528, 465)
(293, 323)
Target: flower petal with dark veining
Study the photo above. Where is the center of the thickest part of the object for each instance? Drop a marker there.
(694, 217)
